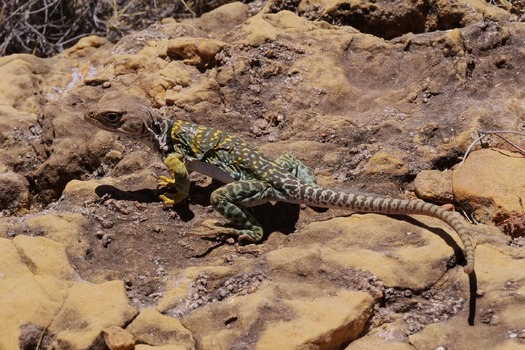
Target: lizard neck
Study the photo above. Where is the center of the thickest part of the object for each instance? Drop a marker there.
(160, 134)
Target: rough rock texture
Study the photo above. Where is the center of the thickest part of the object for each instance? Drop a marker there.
(376, 96)
(493, 200)
(44, 302)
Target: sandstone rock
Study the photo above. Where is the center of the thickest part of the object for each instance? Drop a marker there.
(136, 162)
(180, 286)
(88, 309)
(117, 338)
(373, 342)
(497, 266)
(176, 75)
(152, 328)
(21, 83)
(65, 228)
(163, 347)
(201, 92)
(25, 298)
(196, 52)
(434, 186)
(44, 257)
(84, 48)
(327, 325)
(385, 163)
(66, 158)
(399, 245)
(322, 322)
(497, 271)
(39, 290)
(14, 192)
(487, 182)
(223, 19)
(448, 336)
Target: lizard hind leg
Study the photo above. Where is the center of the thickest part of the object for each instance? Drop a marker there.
(231, 201)
(297, 169)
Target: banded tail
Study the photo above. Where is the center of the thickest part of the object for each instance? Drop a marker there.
(381, 205)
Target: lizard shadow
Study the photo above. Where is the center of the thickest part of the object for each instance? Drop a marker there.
(143, 196)
(280, 216)
(460, 259)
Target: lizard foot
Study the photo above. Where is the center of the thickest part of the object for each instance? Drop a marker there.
(169, 198)
(164, 181)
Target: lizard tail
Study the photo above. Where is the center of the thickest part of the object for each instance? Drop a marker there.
(382, 205)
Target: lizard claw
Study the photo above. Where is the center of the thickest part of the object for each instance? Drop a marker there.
(170, 198)
(164, 181)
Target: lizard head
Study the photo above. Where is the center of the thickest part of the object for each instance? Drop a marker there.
(130, 117)
(126, 115)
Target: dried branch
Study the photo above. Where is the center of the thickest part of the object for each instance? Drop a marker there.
(498, 133)
(46, 27)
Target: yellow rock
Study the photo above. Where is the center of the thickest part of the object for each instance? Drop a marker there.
(223, 324)
(85, 46)
(65, 228)
(78, 191)
(373, 342)
(497, 265)
(200, 52)
(24, 298)
(21, 75)
(283, 314)
(456, 334)
(44, 257)
(153, 328)
(88, 309)
(382, 245)
(38, 287)
(322, 323)
(163, 347)
(202, 91)
(391, 163)
(487, 181)
(434, 186)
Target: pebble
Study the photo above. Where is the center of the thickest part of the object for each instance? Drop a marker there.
(106, 240)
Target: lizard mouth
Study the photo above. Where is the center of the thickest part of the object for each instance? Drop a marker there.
(89, 118)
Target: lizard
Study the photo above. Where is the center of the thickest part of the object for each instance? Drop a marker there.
(250, 178)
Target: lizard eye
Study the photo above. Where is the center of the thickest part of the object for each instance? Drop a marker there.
(112, 117)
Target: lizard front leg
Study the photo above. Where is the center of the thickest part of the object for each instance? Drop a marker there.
(231, 201)
(177, 186)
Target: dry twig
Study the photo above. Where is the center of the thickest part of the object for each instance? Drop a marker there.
(498, 133)
(46, 27)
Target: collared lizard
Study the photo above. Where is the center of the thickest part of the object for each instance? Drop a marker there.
(250, 178)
